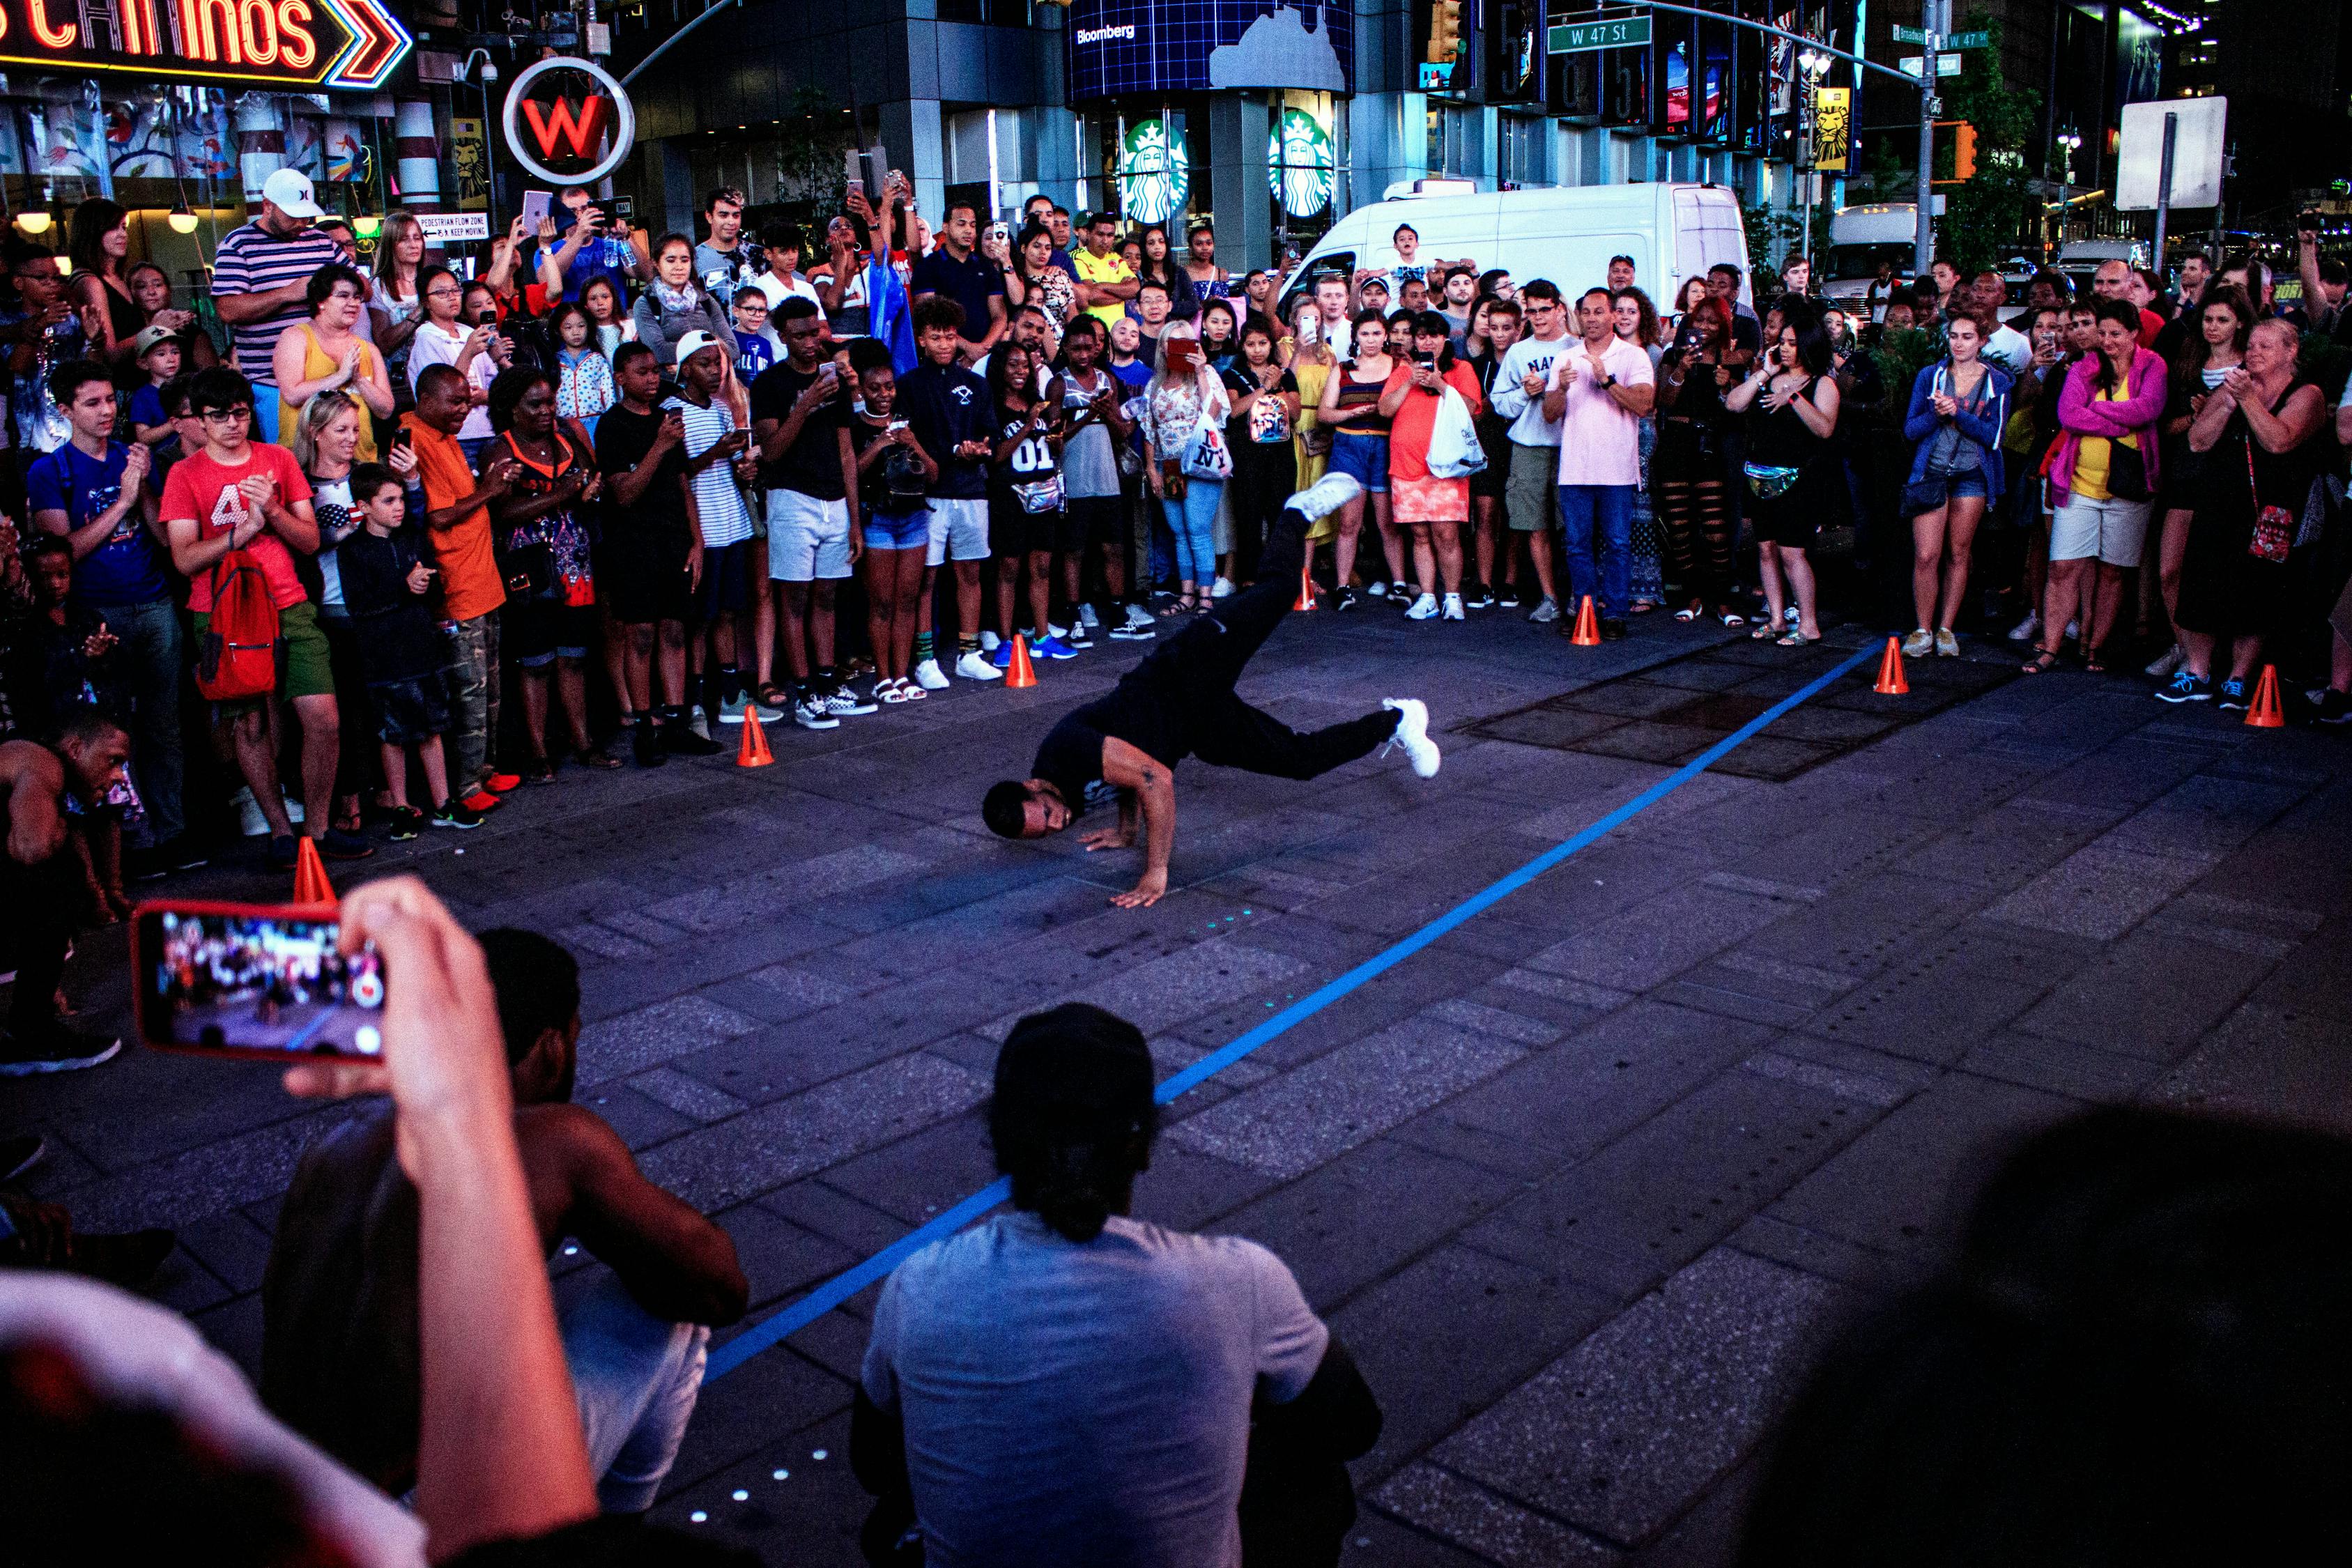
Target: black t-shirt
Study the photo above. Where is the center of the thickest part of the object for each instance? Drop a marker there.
(622, 439)
(811, 465)
(1145, 709)
(399, 638)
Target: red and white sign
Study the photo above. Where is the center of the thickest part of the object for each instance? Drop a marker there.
(569, 121)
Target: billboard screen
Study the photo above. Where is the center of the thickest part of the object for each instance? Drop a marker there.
(1144, 46)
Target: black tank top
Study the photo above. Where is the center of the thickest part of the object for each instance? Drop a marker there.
(1778, 438)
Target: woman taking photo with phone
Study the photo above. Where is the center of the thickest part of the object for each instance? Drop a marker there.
(1266, 465)
(1959, 406)
(1033, 277)
(443, 339)
(1185, 408)
(1359, 445)
(1691, 464)
(1791, 409)
(1429, 509)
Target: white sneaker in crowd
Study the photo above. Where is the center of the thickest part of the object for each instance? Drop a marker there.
(974, 666)
(1423, 609)
(2165, 663)
(1545, 613)
(2025, 629)
(989, 641)
(929, 677)
(1088, 619)
(1222, 588)
(1453, 610)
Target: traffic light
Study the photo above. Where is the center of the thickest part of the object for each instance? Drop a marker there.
(1445, 31)
(1964, 151)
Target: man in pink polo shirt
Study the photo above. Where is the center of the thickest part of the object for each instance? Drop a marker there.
(1598, 393)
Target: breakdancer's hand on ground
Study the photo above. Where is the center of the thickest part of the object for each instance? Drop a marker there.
(1145, 893)
(1120, 838)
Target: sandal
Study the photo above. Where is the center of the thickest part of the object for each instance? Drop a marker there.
(1732, 618)
(910, 692)
(540, 771)
(1797, 639)
(590, 757)
(775, 696)
(2041, 663)
(2095, 661)
(1767, 631)
(890, 691)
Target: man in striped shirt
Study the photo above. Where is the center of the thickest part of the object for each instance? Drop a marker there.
(260, 279)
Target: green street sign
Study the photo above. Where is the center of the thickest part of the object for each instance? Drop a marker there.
(1909, 36)
(1575, 37)
(1967, 41)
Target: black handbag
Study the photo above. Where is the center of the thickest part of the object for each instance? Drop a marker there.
(2126, 472)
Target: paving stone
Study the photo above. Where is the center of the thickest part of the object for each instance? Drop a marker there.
(2203, 816)
(686, 1096)
(1899, 1186)
(601, 942)
(1347, 1223)
(917, 1177)
(2150, 995)
(231, 1247)
(1499, 1531)
(1308, 1115)
(202, 1181)
(811, 1519)
(1621, 1433)
(779, 1259)
(1669, 1189)
(1157, 995)
(1867, 1088)
(641, 1122)
(2271, 1062)
(617, 1047)
(2062, 1066)
(740, 1415)
(772, 1144)
(1448, 1334)
(1866, 924)
(1660, 938)
(2097, 891)
(1599, 998)
(2005, 848)
(1863, 1269)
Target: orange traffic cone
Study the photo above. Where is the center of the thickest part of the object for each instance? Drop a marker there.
(1022, 672)
(310, 884)
(1588, 626)
(2266, 714)
(1306, 591)
(753, 751)
(1890, 671)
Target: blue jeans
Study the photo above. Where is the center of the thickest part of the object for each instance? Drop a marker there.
(147, 672)
(636, 1378)
(1193, 522)
(1613, 507)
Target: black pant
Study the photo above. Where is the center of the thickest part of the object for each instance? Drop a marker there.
(1264, 473)
(41, 900)
(1199, 666)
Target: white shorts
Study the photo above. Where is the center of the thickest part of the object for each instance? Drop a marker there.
(959, 526)
(2109, 531)
(807, 538)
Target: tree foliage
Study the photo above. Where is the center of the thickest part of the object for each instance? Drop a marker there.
(1993, 214)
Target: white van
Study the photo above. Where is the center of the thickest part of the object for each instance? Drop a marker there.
(1860, 239)
(1672, 232)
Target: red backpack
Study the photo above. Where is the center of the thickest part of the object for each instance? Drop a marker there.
(242, 653)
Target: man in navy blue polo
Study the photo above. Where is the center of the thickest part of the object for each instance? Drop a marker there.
(959, 272)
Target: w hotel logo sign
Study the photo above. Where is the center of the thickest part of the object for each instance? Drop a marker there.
(568, 122)
(344, 44)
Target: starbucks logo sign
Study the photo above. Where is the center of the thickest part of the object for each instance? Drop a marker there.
(1302, 167)
(1155, 175)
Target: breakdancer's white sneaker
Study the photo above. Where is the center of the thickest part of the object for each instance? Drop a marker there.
(1412, 734)
(1323, 496)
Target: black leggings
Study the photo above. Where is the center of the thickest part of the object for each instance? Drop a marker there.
(1201, 665)
(1700, 529)
(1264, 473)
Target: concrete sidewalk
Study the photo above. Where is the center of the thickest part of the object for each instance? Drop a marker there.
(1580, 1184)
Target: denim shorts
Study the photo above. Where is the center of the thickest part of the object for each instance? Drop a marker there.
(1362, 458)
(1924, 495)
(913, 532)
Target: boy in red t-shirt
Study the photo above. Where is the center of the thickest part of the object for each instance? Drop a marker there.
(238, 494)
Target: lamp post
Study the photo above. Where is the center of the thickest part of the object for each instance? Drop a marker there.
(1814, 64)
(2067, 143)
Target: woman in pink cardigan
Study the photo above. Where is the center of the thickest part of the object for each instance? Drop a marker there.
(2103, 474)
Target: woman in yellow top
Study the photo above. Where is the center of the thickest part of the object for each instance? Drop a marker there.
(1311, 361)
(326, 353)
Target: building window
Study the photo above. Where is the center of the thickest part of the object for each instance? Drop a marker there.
(1003, 13)
(1523, 137)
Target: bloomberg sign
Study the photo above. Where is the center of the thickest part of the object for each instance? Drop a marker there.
(1118, 48)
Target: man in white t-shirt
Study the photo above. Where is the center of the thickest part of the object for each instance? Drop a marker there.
(1599, 391)
(781, 279)
(1064, 1384)
(1530, 499)
(1331, 299)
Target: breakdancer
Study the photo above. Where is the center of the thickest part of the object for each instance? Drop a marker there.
(1180, 702)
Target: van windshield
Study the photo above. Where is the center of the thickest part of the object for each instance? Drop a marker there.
(1339, 264)
(1851, 261)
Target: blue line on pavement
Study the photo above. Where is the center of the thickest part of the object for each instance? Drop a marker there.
(842, 1286)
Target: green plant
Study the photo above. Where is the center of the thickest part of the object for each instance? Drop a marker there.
(1900, 357)
(811, 178)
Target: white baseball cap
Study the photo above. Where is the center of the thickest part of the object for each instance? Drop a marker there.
(693, 343)
(288, 190)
